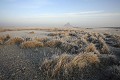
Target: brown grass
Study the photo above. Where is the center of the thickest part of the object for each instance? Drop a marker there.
(83, 60)
(31, 44)
(15, 40)
(52, 34)
(104, 47)
(90, 48)
(101, 41)
(84, 41)
(4, 38)
(53, 43)
(32, 32)
(66, 64)
(41, 39)
(116, 39)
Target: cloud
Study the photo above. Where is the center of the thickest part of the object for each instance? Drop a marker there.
(86, 12)
(75, 15)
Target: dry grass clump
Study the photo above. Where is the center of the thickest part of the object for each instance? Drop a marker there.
(103, 46)
(60, 34)
(85, 42)
(53, 43)
(116, 40)
(52, 34)
(73, 34)
(66, 66)
(101, 41)
(106, 33)
(105, 49)
(4, 38)
(85, 59)
(41, 39)
(95, 34)
(67, 47)
(32, 32)
(31, 44)
(92, 39)
(15, 40)
(102, 35)
(85, 36)
(90, 48)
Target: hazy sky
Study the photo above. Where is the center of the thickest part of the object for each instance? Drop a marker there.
(96, 13)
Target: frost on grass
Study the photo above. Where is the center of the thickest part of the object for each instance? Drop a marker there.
(31, 44)
(3, 39)
(15, 40)
(66, 66)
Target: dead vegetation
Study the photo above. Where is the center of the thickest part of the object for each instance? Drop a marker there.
(83, 55)
(42, 39)
(31, 44)
(104, 49)
(90, 48)
(3, 39)
(65, 65)
(15, 40)
(32, 32)
(53, 43)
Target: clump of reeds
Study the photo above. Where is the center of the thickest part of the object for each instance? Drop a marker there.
(31, 44)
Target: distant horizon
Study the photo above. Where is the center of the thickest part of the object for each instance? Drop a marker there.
(55, 26)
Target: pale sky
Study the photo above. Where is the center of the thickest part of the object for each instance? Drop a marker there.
(88, 13)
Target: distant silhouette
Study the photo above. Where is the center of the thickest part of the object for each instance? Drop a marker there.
(68, 25)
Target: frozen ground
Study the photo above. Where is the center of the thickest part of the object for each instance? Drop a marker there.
(26, 33)
(18, 63)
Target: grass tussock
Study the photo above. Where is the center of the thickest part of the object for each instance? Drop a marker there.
(32, 32)
(85, 42)
(66, 65)
(15, 40)
(53, 43)
(69, 48)
(90, 48)
(116, 39)
(41, 39)
(52, 34)
(104, 49)
(3, 39)
(31, 44)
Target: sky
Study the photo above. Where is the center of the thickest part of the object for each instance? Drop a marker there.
(80, 13)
